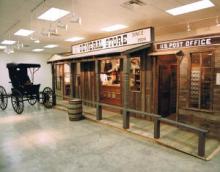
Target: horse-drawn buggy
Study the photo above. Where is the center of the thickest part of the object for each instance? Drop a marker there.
(23, 89)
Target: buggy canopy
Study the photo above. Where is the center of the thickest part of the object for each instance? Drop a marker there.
(22, 65)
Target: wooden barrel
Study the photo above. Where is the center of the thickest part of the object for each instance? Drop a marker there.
(75, 110)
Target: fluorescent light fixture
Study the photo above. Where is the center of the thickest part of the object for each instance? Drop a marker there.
(8, 42)
(53, 14)
(199, 5)
(114, 28)
(23, 32)
(2, 47)
(74, 39)
(51, 46)
(37, 50)
(37, 41)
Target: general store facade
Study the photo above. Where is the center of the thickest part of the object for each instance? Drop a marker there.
(177, 79)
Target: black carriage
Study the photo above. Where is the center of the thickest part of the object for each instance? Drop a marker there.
(23, 89)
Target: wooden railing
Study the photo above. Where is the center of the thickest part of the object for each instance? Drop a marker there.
(157, 122)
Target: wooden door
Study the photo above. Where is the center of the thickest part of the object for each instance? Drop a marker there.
(167, 88)
(164, 90)
(173, 88)
(87, 81)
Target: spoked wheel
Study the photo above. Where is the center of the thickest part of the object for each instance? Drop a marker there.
(3, 98)
(32, 100)
(17, 101)
(47, 95)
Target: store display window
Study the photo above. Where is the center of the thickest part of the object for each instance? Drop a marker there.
(135, 76)
(110, 72)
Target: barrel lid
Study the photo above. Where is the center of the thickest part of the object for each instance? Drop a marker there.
(75, 100)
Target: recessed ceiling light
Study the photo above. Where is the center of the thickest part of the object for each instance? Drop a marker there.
(8, 42)
(53, 14)
(51, 46)
(74, 39)
(37, 50)
(2, 47)
(199, 5)
(114, 28)
(23, 32)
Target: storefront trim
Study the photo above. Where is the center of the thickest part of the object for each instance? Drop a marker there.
(161, 53)
(124, 50)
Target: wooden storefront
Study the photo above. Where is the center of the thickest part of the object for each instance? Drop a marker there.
(177, 79)
(197, 81)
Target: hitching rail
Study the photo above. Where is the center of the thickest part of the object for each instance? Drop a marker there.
(157, 121)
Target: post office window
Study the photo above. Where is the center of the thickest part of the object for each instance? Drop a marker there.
(201, 80)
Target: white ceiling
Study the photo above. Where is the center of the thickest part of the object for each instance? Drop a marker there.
(96, 14)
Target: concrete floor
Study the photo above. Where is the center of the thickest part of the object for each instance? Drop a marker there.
(44, 140)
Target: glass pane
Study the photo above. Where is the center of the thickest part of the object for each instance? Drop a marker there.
(206, 59)
(67, 76)
(194, 88)
(59, 74)
(195, 59)
(135, 77)
(205, 95)
(206, 74)
(110, 72)
(67, 73)
(206, 88)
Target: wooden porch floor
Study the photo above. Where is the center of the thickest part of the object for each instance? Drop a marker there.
(170, 136)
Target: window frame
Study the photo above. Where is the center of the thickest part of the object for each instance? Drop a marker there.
(140, 58)
(212, 67)
(58, 85)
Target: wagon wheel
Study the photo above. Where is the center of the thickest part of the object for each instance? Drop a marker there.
(32, 100)
(17, 101)
(3, 98)
(47, 97)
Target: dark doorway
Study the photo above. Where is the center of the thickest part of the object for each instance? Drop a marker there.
(167, 85)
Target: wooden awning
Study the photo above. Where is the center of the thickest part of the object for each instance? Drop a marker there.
(56, 57)
(124, 50)
(169, 52)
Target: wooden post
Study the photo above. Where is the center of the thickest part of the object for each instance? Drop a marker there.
(126, 69)
(77, 84)
(201, 144)
(156, 128)
(53, 82)
(155, 86)
(98, 107)
(71, 80)
(178, 87)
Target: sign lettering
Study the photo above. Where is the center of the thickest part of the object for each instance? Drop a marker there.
(130, 38)
(194, 42)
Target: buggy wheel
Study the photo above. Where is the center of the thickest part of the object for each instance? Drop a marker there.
(3, 98)
(32, 100)
(17, 101)
(47, 96)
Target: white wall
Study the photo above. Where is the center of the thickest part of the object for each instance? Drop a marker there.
(42, 76)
